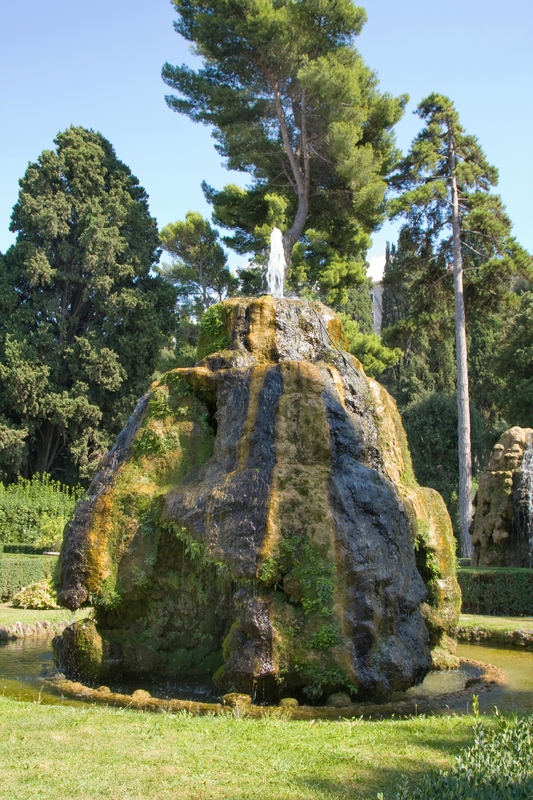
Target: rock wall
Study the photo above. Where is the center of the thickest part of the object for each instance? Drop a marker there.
(501, 528)
(259, 521)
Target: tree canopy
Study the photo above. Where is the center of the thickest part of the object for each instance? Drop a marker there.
(293, 105)
(199, 270)
(82, 319)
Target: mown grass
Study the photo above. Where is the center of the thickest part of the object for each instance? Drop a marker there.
(9, 615)
(60, 753)
(496, 623)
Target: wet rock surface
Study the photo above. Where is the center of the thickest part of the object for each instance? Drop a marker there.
(502, 528)
(261, 523)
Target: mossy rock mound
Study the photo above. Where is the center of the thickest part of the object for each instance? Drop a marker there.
(259, 521)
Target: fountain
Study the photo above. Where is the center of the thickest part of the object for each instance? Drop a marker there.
(258, 521)
(276, 266)
(525, 507)
(502, 530)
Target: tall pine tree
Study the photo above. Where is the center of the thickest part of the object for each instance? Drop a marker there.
(444, 184)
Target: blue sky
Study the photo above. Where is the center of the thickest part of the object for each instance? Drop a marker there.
(98, 64)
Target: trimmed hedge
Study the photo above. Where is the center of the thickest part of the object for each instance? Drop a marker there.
(497, 591)
(18, 571)
(22, 549)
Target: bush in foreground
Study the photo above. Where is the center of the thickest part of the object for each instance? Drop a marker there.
(498, 766)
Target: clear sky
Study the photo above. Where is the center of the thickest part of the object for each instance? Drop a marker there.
(98, 64)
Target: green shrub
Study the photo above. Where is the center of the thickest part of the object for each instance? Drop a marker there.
(497, 591)
(498, 766)
(35, 512)
(18, 571)
(40, 595)
(214, 330)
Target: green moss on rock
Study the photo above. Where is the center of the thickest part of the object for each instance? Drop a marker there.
(215, 330)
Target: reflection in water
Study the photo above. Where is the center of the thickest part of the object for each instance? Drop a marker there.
(25, 661)
(517, 695)
(22, 663)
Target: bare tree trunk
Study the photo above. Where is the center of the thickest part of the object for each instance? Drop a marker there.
(50, 447)
(463, 397)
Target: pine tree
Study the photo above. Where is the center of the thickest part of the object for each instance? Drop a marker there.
(199, 270)
(445, 183)
(293, 105)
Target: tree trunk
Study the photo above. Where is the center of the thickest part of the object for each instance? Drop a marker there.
(463, 398)
(51, 445)
(297, 228)
(301, 178)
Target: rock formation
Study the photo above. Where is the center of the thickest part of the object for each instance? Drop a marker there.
(258, 520)
(502, 528)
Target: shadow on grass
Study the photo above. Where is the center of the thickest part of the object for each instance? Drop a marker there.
(437, 752)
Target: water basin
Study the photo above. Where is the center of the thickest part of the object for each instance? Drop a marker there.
(24, 662)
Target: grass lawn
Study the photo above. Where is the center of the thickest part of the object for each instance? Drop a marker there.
(9, 615)
(61, 753)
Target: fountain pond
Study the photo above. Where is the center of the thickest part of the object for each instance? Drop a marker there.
(24, 664)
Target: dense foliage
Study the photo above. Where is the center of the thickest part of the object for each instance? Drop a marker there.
(302, 115)
(82, 318)
(431, 427)
(368, 347)
(35, 512)
(513, 364)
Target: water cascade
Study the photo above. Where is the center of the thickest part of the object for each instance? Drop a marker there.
(526, 493)
(276, 264)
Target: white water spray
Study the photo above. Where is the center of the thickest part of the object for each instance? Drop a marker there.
(276, 264)
(527, 484)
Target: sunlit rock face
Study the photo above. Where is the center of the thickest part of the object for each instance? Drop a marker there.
(259, 521)
(502, 530)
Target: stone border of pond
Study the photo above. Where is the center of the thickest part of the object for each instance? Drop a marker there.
(509, 637)
(241, 705)
(20, 630)
(511, 640)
